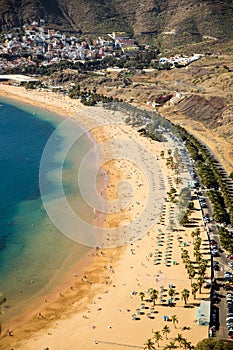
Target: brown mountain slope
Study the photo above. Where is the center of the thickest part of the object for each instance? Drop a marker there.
(204, 106)
(176, 20)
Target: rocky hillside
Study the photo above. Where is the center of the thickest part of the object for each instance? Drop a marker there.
(202, 96)
(175, 21)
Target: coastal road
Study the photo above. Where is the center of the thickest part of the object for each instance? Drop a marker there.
(222, 332)
(218, 293)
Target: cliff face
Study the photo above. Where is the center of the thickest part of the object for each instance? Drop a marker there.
(176, 20)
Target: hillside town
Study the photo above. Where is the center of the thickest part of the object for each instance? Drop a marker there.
(36, 45)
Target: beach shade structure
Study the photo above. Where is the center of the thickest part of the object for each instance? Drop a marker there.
(165, 318)
(174, 262)
(134, 317)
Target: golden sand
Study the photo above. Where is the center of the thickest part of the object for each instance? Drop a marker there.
(101, 295)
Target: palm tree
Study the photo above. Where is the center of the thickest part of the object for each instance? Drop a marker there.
(202, 267)
(142, 295)
(200, 282)
(198, 231)
(197, 255)
(149, 345)
(178, 180)
(179, 338)
(171, 292)
(171, 224)
(174, 320)
(194, 289)
(171, 345)
(154, 295)
(186, 344)
(193, 235)
(191, 273)
(185, 295)
(157, 337)
(166, 330)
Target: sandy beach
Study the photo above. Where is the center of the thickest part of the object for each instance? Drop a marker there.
(98, 305)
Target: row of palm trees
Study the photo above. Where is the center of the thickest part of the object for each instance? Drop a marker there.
(211, 176)
(185, 206)
(226, 239)
(153, 294)
(174, 162)
(88, 97)
(192, 270)
(158, 336)
(139, 114)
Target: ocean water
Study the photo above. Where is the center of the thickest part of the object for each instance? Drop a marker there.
(34, 254)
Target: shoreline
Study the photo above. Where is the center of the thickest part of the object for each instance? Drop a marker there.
(83, 262)
(114, 274)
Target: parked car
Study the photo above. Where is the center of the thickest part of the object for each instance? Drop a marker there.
(214, 252)
(203, 205)
(228, 274)
(213, 241)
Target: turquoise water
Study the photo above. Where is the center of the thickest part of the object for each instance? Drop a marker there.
(33, 254)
